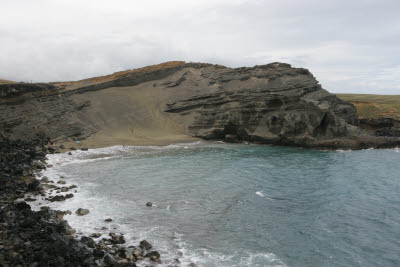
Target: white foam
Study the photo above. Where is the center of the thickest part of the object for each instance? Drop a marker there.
(260, 193)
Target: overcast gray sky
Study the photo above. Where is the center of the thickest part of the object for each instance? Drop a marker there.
(350, 46)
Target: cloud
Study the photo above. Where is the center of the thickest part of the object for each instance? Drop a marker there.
(350, 46)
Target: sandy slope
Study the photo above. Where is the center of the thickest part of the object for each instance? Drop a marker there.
(132, 115)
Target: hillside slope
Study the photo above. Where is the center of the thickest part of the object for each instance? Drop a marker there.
(3, 81)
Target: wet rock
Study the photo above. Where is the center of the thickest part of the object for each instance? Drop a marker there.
(69, 195)
(72, 186)
(34, 185)
(117, 239)
(149, 204)
(69, 153)
(153, 256)
(144, 245)
(64, 189)
(29, 199)
(95, 235)
(62, 146)
(84, 149)
(88, 241)
(138, 254)
(108, 220)
(61, 182)
(98, 253)
(99, 262)
(56, 198)
(192, 265)
(82, 212)
(109, 259)
(44, 179)
(231, 138)
(128, 255)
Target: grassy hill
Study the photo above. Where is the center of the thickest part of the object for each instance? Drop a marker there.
(2, 81)
(374, 106)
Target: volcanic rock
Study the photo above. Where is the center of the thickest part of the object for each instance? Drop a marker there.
(144, 245)
(82, 212)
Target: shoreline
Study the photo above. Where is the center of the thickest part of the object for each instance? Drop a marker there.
(102, 141)
(332, 144)
(43, 237)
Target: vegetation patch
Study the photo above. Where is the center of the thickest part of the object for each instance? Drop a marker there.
(374, 106)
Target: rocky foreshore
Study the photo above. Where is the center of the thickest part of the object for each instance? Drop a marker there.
(44, 238)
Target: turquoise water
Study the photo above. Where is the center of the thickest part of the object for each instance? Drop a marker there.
(242, 205)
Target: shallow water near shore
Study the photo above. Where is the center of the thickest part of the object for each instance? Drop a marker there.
(221, 204)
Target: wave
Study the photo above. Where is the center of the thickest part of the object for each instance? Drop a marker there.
(80, 156)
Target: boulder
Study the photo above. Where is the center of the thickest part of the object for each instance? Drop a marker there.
(117, 239)
(144, 245)
(95, 235)
(88, 241)
(153, 256)
(45, 179)
(82, 212)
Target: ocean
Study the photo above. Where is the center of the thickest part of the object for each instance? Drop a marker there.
(217, 204)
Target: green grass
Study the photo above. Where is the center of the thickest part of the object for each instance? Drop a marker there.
(374, 106)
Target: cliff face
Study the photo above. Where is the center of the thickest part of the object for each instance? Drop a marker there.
(272, 103)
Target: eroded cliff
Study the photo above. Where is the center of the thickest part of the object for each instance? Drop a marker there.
(274, 104)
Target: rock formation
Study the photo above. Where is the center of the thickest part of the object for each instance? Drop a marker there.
(273, 104)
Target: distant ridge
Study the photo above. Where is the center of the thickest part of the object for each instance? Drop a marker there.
(3, 81)
(120, 73)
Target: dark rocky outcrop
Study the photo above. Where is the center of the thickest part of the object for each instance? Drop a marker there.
(382, 126)
(273, 104)
(16, 89)
(43, 238)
